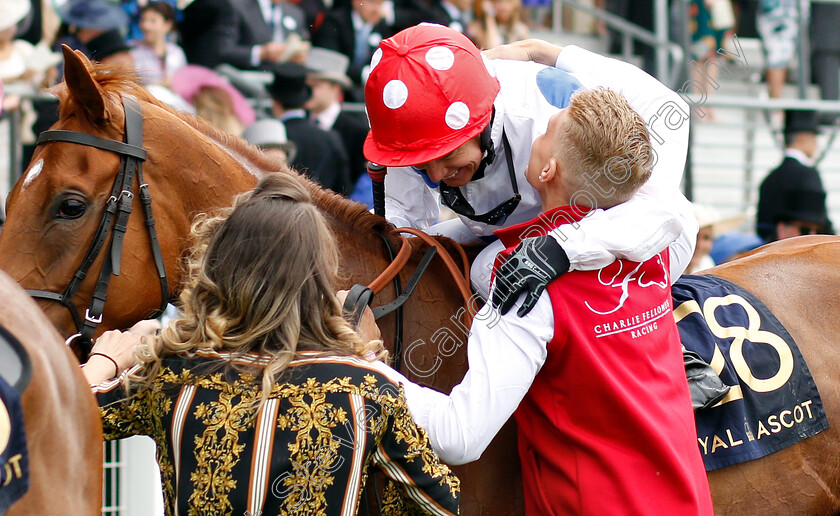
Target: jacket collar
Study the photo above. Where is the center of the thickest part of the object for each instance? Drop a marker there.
(541, 225)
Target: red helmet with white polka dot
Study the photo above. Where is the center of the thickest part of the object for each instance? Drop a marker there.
(428, 93)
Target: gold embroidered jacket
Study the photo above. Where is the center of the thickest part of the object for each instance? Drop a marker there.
(307, 451)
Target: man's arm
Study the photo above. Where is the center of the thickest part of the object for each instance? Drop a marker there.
(505, 354)
(654, 218)
(658, 214)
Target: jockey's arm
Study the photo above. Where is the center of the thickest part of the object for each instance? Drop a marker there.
(658, 214)
(505, 354)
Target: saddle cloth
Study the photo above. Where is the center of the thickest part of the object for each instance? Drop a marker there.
(773, 402)
(15, 372)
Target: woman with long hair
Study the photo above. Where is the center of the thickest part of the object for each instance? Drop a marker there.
(262, 397)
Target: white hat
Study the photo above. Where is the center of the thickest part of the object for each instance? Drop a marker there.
(13, 11)
(328, 65)
(708, 216)
(270, 132)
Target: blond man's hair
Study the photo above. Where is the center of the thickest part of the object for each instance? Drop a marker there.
(605, 149)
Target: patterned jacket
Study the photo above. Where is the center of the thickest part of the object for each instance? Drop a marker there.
(307, 451)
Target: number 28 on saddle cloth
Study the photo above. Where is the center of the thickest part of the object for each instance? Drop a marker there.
(15, 372)
(773, 401)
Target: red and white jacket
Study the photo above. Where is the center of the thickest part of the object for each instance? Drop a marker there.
(595, 378)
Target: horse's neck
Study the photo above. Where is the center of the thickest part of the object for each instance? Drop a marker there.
(245, 164)
(212, 174)
(232, 171)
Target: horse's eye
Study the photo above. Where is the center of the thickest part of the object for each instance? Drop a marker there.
(71, 209)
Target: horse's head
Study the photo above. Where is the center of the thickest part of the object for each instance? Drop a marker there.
(64, 199)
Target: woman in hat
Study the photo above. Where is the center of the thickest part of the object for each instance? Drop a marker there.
(214, 99)
(261, 398)
(24, 68)
(83, 20)
(20, 61)
(13, 52)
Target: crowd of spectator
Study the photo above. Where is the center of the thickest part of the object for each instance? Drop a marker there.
(316, 54)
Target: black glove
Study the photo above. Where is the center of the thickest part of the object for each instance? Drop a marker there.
(536, 262)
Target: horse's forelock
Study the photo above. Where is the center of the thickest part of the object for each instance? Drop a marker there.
(115, 81)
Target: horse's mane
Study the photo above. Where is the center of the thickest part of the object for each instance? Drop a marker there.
(116, 81)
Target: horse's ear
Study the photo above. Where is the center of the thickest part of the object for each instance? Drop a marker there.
(81, 85)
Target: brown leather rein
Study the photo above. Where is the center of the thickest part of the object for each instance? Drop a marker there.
(459, 275)
(361, 296)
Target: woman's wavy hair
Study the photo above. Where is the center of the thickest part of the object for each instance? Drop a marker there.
(262, 280)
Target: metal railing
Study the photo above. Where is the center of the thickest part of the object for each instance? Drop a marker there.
(754, 106)
(668, 70)
(730, 159)
(12, 119)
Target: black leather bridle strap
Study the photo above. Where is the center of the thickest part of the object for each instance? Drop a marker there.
(123, 184)
(117, 211)
(146, 200)
(90, 140)
(385, 309)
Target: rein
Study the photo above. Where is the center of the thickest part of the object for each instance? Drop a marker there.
(360, 296)
(117, 212)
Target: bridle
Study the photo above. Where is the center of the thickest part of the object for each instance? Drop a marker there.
(117, 210)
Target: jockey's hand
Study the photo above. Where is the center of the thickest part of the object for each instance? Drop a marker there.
(536, 262)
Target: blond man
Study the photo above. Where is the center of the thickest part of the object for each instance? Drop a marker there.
(593, 373)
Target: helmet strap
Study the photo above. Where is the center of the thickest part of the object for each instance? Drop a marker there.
(487, 148)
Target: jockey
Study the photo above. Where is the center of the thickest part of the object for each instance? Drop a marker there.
(593, 373)
(456, 128)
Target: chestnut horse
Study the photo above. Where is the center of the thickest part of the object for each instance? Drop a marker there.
(60, 416)
(799, 281)
(54, 210)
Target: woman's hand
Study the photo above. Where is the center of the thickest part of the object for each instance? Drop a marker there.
(112, 354)
(147, 328)
(535, 50)
(368, 330)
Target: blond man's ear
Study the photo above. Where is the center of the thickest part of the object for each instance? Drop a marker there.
(550, 171)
